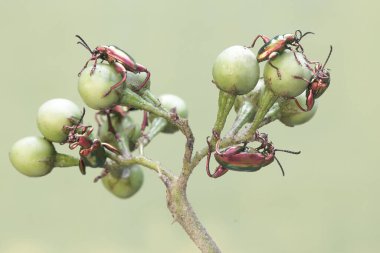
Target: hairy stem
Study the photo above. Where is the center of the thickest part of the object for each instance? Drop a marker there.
(184, 214)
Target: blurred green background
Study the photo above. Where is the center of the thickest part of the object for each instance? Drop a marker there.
(328, 201)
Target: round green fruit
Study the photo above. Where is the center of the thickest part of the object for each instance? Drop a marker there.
(292, 115)
(125, 183)
(94, 87)
(33, 156)
(171, 103)
(53, 115)
(236, 70)
(293, 74)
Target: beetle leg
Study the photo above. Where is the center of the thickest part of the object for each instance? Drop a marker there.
(82, 167)
(220, 171)
(141, 68)
(208, 158)
(85, 65)
(144, 123)
(111, 148)
(299, 105)
(309, 99)
(103, 174)
(263, 37)
(94, 66)
(217, 150)
(298, 61)
(270, 57)
(120, 69)
(278, 71)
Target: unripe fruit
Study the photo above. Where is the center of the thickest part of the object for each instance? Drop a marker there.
(125, 183)
(288, 86)
(292, 115)
(53, 115)
(93, 87)
(236, 70)
(171, 103)
(33, 156)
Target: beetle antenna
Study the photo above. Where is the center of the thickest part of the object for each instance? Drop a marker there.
(83, 43)
(288, 151)
(303, 35)
(328, 57)
(299, 35)
(80, 120)
(279, 164)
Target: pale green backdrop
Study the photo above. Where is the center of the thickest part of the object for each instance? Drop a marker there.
(328, 201)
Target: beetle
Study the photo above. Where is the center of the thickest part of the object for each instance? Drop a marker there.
(276, 45)
(243, 158)
(318, 83)
(91, 150)
(119, 59)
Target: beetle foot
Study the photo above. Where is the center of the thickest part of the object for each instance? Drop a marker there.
(215, 134)
(104, 173)
(173, 114)
(108, 92)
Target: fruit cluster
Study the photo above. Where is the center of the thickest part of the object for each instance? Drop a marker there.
(290, 82)
(60, 121)
(118, 86)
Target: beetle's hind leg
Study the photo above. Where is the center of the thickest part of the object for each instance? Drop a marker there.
(276, 68)
(263, 37)
(120, 69)
(270, 57)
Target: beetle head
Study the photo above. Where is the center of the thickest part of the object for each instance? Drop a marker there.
(298, 35)
(322, 78)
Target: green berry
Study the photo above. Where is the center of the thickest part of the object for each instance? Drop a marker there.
(33, 156)
(236, 70)
(93, 87)
(124, 183)
(171, 103)
(288, 86)
(53, 115)
(292, 115)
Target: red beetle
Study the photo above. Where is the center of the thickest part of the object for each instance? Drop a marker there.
(318, 83)
(79, 135)
(119, 59)
(277, 45)
(243, 158)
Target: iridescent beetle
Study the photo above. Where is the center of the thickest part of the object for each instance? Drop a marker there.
(119, 59)
(318, 83)
(243, 158)
(277, 45)
(91, 150)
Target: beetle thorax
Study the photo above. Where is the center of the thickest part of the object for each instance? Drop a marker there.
(290, 38)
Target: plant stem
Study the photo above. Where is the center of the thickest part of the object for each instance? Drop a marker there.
(184, 214)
